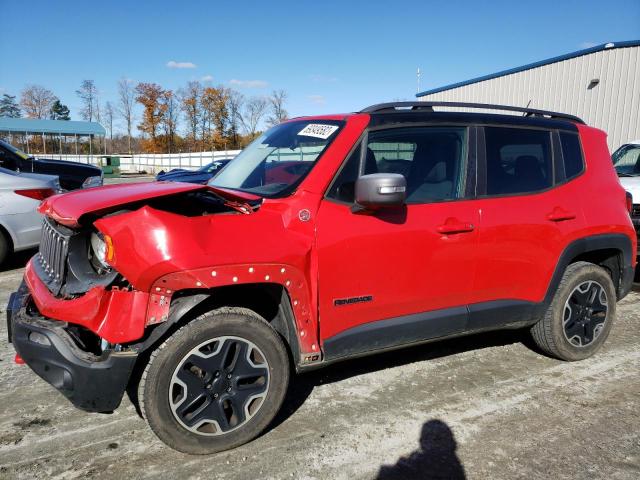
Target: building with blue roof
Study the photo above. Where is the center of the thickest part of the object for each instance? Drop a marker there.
(49, 133)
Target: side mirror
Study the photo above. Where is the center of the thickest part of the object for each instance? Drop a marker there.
(381, 190)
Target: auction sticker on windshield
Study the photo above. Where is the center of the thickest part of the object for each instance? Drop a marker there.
(318, 130)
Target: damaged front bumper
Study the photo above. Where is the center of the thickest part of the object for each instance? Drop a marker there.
(92, 383)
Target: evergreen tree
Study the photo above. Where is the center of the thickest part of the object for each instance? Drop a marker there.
(9, 107)
(59, 111)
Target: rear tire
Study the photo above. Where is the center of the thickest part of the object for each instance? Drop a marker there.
(216, 383)
(5, 247)
(579, 319)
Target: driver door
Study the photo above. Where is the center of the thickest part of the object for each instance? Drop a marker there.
(400, 275)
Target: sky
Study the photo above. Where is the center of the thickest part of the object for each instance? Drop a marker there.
(329, 56)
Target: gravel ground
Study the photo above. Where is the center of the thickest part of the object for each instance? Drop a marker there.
(486, 406)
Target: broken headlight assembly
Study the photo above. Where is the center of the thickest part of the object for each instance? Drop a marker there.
(101, 252)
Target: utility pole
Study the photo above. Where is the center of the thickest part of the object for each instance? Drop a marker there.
(418, 77)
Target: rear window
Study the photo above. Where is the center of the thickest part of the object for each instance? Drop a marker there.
(518, 160)
(571, 154)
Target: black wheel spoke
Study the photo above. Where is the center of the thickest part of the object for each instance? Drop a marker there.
(193, 395)
(574, 329)
(207, 364)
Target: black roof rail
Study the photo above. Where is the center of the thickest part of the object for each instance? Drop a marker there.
(428, 106)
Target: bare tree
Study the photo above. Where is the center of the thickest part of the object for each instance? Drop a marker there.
(108, 115)
(36, 101)
(88, 94)
(254, 111)
(126, 99)
(235, 104)
(276, 103)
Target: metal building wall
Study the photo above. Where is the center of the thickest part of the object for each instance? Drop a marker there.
(613, 105)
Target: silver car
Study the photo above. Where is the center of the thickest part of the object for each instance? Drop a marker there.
(20, 222)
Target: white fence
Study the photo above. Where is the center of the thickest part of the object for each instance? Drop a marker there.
(154, 162)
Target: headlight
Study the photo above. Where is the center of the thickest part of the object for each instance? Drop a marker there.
(92, 182)
(101, 250)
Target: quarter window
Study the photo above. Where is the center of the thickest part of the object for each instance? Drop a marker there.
(571, 154)
(518, 160)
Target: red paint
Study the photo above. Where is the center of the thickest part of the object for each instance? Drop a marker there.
(118, 316)
(414, 259)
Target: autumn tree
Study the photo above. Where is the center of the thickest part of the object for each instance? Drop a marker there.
(36, 101)
(126, 98)
(191, 105)
(9, 106)
(88, 94)
(59, 111)
(278, 113)
(254, 111)
(152, 98)
(215, 116)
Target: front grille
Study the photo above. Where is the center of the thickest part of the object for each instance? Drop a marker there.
(635, 211)
(54, 248)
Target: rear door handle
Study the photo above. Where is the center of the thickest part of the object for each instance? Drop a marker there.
(560, 215)
(455, 227)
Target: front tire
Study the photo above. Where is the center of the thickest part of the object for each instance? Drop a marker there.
(581, 315)
(216, 383)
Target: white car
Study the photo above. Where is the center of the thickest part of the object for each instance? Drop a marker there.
(626, 161)
(20, 222)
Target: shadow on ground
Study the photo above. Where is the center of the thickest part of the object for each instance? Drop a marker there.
(434, 458)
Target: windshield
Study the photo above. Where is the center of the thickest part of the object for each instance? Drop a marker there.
(275, 163)
(626, 160)
(13, 149)
(213, 166)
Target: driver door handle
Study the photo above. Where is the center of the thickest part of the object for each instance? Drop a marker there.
(454, 226)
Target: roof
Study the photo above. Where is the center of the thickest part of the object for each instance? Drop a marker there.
(58, 127)
(529, 66)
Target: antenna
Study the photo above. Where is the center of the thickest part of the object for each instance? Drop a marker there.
(418, 77)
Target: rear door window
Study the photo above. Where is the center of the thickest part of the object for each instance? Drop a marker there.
(518, 160)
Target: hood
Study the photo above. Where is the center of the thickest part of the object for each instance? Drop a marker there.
(12, 180)
(69, 207)
(632, 185)
(79, 167)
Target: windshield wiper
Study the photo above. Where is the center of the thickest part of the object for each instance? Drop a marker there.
(623, 174)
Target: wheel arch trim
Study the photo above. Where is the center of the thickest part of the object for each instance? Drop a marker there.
(299, 327)
(590, 244)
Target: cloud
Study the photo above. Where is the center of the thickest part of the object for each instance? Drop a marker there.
(588, 44)
(317, 99)
(207, 78)
(322, 78)
(248, 83)
(174, 64)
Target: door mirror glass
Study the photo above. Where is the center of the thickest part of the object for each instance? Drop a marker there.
(381, 190)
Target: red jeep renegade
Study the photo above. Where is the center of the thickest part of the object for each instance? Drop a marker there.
(327, 238)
